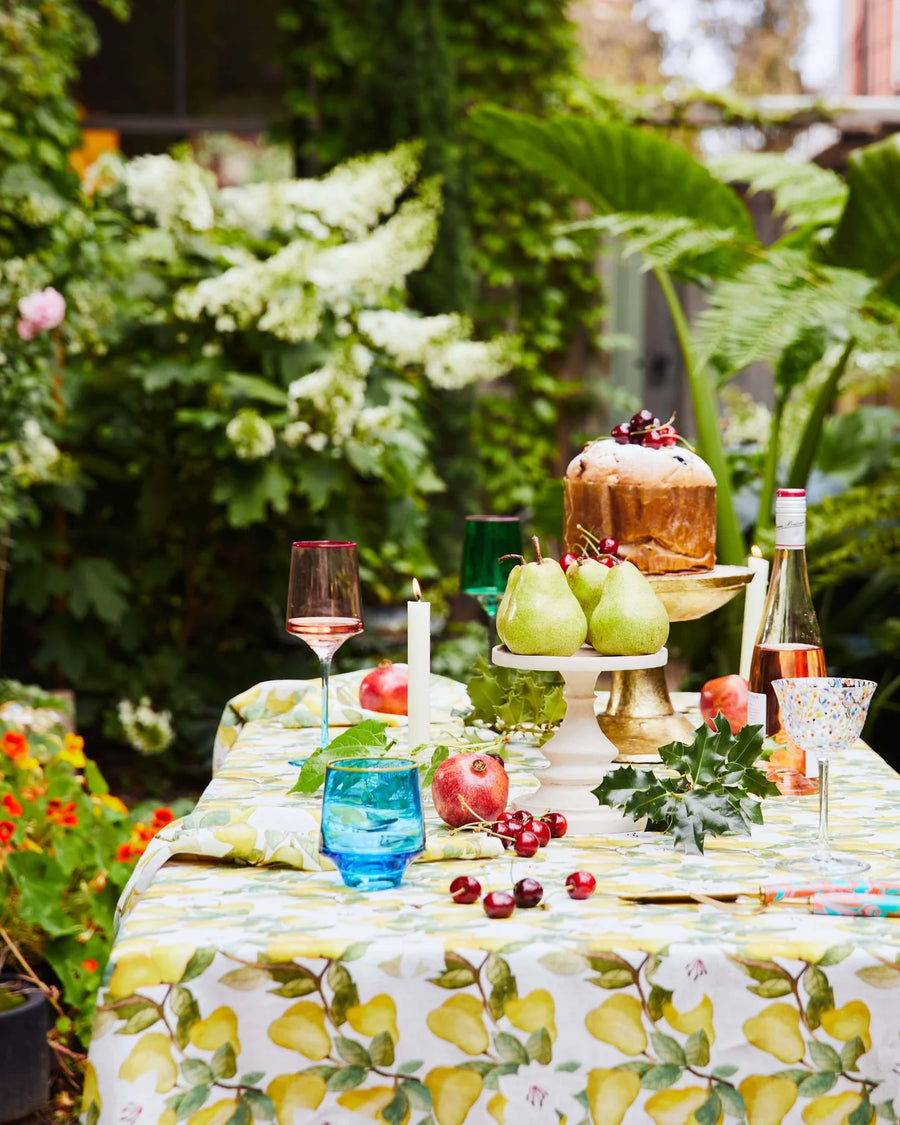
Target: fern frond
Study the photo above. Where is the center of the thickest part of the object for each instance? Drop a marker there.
(805, 194)
(753, 317)
(689, 250)
(856, 532)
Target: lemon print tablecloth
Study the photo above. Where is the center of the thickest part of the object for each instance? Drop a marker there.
(246, 984)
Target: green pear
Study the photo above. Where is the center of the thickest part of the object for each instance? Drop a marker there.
(586, 579)
(503, 608)
(543, 617)
(629, 619)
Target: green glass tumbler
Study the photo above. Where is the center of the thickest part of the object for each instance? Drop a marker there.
(482, 574)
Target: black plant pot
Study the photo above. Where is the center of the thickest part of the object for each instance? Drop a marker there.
(24, 1056)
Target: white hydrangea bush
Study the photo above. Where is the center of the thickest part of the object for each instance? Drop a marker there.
(321, 264)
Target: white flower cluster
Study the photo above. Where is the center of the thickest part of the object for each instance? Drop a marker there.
(251, 435)
(172, 192)
(330, 400)
(745, 420)
(351, 198)
(35, 457)
(288, 293)
(462, 362)
(148, 731)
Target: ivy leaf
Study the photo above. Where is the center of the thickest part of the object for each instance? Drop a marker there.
(509, 701)
(715, 792)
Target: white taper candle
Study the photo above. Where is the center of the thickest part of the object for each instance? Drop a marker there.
(754, 604)
(419, 664)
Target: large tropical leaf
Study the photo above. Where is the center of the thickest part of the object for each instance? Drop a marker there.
(867, 237)
(616, 167)
(805, 194)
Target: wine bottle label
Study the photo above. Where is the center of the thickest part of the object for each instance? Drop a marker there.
(790, 522)
(756, 709)
(812, 763)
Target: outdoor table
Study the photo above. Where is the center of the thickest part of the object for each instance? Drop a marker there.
(246, 982)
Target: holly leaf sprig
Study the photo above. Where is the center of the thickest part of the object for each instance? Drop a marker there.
(716, 788)
(512, 702)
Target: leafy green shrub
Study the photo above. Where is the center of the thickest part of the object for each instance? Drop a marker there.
(240, 370)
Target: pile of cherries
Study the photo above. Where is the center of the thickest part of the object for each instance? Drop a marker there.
(605, 551)
(645, 428)
(527, 893)
(525, 833)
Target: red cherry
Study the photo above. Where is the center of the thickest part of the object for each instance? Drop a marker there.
(643, 420)
(580, 884)
(503, 829)
(497, 758)
(498, 904)
(653, 440)
(567, 560)
(540, 829)
(526, 844)
(520, 816)
(669, 434)
(528, 893)
(465, 889)
(607, 560)
(620, 433)
(608, 546)
(557, 824)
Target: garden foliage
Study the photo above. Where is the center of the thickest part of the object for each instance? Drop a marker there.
(237, 368)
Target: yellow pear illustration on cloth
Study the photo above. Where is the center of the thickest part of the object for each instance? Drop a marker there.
(375, 1017)
(676, 1107)
(453, 1093)
(833, 1109)
(151, 1054)
(219, 1028)
(609, 1093)
(767, 1099)
(629, 620)
(290, 1092)
(532, 1012)
(302, 1028)
(543, 617)
(619, 1021)
(848, 1022)
(460, 1020)
(777, 1030)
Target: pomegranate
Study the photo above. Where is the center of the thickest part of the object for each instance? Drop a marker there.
(727, 694)
(385, 689)
(468, 788)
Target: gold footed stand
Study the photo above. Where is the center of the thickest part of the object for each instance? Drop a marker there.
(639, 717)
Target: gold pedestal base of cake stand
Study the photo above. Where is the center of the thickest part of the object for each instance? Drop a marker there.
(639, 717)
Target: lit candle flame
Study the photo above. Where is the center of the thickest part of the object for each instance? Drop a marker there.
(754, 550)
(416, 589)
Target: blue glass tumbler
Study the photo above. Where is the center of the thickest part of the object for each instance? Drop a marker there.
(372, 824)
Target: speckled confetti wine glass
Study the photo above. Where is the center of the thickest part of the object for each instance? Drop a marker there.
(823, 715)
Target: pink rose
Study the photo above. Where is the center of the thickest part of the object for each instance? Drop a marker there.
(40, 311)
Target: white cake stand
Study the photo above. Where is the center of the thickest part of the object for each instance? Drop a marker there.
(579, 753)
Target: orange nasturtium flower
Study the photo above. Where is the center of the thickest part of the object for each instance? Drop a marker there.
(12, 806)
(6, 830)
(125, 853)
(90, 965)
(14, 745)
(161, 817)
(63, 814)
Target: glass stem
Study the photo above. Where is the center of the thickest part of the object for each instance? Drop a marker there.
(325, 665)
(492, 632)
(822, 842)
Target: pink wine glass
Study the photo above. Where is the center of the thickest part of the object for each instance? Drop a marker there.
(323, 606)
(824, 714)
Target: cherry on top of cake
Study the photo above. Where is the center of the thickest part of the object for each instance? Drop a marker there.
(642, 449)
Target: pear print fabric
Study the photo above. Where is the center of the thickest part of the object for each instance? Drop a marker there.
(272, 993)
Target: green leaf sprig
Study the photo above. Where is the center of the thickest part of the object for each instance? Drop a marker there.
(368, 739)
(716, 789)
(512, 702)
